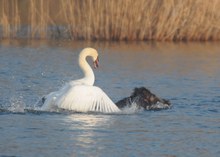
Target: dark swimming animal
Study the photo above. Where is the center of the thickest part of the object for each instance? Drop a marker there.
(144, 99)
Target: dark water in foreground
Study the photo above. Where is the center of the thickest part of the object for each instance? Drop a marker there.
(185, 73)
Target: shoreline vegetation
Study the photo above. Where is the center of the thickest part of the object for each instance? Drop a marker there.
(160, 20)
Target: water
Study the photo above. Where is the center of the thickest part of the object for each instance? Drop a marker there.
(185, 73)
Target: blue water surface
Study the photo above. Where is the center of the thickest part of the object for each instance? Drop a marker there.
(185, 73)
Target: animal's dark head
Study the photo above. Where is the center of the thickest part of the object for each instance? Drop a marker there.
(144, 98)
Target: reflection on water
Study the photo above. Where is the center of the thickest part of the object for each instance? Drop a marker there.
(86, 125)
(185, 73)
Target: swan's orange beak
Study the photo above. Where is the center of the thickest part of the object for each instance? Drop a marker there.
(96, 63)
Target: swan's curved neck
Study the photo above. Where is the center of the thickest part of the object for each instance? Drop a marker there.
(89, 77)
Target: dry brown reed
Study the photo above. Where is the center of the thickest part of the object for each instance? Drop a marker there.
(111, 19)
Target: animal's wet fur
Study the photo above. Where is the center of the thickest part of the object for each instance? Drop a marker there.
(143, 98)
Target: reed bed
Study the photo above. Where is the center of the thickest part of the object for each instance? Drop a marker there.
(110, 19)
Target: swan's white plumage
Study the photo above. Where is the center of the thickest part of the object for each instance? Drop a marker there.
(84, 98)
(80, 95)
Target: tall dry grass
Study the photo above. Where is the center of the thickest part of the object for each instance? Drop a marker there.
(38, 18)
(9, 18)
(111, 19)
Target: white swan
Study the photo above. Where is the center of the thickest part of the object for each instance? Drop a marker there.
(80, 95)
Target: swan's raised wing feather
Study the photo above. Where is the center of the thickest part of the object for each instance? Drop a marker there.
(84, 98)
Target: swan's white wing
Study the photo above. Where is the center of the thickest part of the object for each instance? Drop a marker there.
(52, 98)
(84, 98)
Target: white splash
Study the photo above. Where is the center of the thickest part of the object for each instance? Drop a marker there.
(17, 105)
(134, 108)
